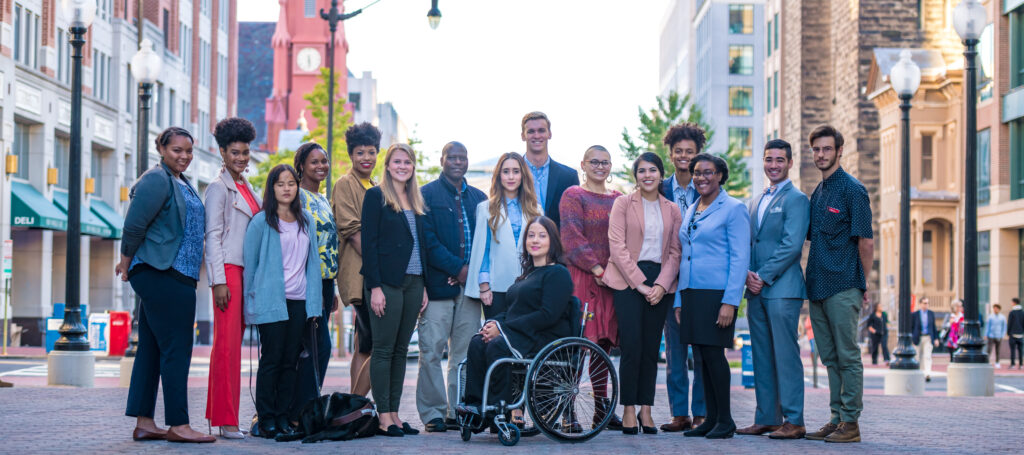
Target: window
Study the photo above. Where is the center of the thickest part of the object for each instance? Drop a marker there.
(185, 48)
(222, 14)
(26, 37)
(186, 112)
(204, 63)
(62, 156)
(158, 105)
(104, 9)
(1017, 159)
(775, 89)
(310, 8)
(171, 100)
(167, 29)
(769, 33)
(96, 172)
(21, 146)
(986, 63)
(222, 75)
(63, 57)
(927, 157)
(927, 257)
(129, 93)
(984, 259)
(741, 59)
(739, 139)
(202, 136)
(1016, 48)
(204, 7)
(768, 90)
(741, 19)
(776, 30)
(984, 166)
(741, 101)
(101, 75)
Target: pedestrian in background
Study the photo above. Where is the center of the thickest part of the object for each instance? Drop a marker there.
(550, 178)
(451, 318)
(230, 204)
(585, 211)
(838, 262)
(494, 263)
(312, 164)
(161, 252)
(925, 336)
(363, 143)
(995, 331)
(643, 270)
(684, 141)
(282, 292)
(715, 239)
(1015, 329)
(392, 233)
(955, 324)
(775, 294)
(877, 323)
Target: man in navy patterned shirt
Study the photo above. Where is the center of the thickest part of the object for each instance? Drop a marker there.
(838, 261)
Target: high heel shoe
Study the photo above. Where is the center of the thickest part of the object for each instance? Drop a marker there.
(646, 429)
(630, 430)
(231, 434)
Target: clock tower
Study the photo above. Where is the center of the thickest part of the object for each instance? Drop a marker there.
(300, 51)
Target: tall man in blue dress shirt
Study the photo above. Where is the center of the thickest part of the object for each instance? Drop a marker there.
(550, 178)
(775, 294)
(684, 142)
(838, 262)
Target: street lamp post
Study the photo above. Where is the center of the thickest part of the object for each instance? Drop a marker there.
(905, 78)
(434, 15)
(146, 66)
(969, 19)
(71, 363)
(333, 16)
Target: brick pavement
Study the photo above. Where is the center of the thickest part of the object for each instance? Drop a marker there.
(61, 419)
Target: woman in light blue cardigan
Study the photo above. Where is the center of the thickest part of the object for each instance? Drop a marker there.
(282, 291)
(715, 240)
(494, 257)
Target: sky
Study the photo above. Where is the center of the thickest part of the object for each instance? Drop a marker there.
(587, 64)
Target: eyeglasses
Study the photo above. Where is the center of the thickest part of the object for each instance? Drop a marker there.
(596, 163)
(706, 174)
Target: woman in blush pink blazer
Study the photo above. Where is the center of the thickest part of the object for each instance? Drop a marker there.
(642, 269)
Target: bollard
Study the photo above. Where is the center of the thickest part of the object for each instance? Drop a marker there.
(747, 363)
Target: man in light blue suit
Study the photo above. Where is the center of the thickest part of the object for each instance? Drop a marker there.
(775, 293)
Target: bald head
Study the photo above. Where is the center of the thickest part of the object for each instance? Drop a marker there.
(454, 162)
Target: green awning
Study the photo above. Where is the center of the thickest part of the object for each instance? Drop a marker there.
(109, 216)
(31, 209)
(91, 224)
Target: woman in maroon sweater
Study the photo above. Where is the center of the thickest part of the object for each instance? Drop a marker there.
(584, 211)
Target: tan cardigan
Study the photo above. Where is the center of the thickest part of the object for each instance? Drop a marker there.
(227, 217)
(347, 201)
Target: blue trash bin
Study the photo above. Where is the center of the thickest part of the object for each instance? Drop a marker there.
(747, 364)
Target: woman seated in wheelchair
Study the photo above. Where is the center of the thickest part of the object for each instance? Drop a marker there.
(539, 312)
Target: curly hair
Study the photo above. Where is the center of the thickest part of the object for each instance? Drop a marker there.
(233, 129)
(362, 134)
(720, 165)
(683, 131)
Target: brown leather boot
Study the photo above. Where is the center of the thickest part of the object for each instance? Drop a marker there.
(822, 432)
(847, 432)
(677, 424)
(789, 431)
(757, 430)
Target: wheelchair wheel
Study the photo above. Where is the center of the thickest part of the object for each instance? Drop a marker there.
(512, 438)
(572, 390)
(466, 433)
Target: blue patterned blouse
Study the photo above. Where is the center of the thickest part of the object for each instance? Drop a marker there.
(190, 253)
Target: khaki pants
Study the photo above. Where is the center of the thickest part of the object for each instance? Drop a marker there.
(451, 322)
(924, 354)
(834, 321)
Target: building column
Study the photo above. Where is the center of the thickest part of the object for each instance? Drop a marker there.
(1004, 266)
(31, 284)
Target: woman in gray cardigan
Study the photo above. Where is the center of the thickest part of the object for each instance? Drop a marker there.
(161, 252)
(282, 291)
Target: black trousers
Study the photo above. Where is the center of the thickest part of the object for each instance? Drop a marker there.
(878, 341)
(478, 359)
(280, 344)
(305, 387)
(166, 317)
(498, 305)
(716, 375)
(1016, 347)
(640, 325)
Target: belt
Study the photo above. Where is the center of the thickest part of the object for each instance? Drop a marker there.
(346, 419)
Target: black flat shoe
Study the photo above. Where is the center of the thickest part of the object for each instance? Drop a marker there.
(630, 430)
(721, 431)
(392, 431)
(700, 431)
(436, 425)
(408, 429)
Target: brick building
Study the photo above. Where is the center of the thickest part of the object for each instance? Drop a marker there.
(196, 88)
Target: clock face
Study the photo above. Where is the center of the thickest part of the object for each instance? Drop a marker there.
(308, 59)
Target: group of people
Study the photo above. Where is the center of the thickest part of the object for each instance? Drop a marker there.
(445, 256)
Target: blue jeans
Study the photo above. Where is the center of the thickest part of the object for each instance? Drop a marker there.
(677, 379)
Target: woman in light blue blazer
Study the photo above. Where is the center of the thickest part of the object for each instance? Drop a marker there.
(715, 240)
(282, 291)
(494, 262)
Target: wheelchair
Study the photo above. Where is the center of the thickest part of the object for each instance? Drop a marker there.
(555, 387)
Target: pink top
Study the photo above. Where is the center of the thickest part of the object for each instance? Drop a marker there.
(243, 189)
(294, 252)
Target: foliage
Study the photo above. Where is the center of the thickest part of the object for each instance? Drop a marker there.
(263, 169)
(656, 122)
(317, 107)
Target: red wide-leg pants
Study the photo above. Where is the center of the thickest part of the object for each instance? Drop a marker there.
(224, 388)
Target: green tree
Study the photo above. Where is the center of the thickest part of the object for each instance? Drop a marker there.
(317, 107)
(263, 169)
(672, 110)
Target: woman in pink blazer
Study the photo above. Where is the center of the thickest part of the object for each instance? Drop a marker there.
(642, 269)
